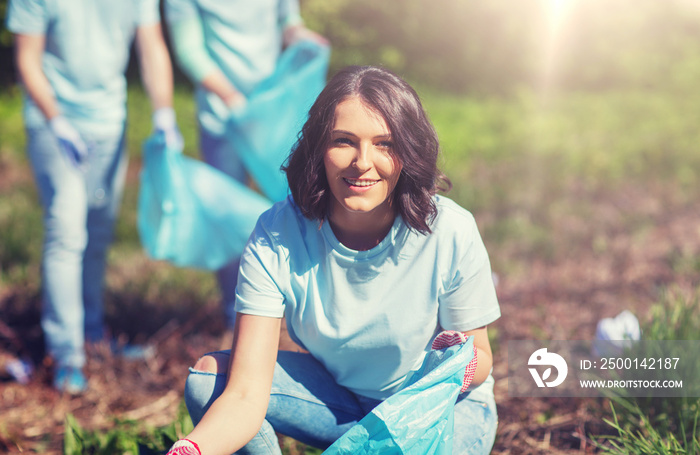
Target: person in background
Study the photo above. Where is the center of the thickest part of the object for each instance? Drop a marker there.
(227, 48)
(371, 269)
(71, 57)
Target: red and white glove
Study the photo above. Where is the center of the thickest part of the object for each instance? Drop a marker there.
(184, 447)
(448, 338)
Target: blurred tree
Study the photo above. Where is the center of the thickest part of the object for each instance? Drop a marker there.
(455, 44)
(5, 37)
(638, 43)
(499, 45)
(7, 72)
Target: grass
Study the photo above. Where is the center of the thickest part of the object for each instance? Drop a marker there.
(127, 437)
(646, 438)
(662, 425)
(530, 168)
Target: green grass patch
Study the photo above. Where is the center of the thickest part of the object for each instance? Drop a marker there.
(125, 437)
(12, 137)
(20, 237)
(661, 425)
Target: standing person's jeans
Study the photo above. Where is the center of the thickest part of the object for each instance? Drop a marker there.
(218, 153)
(80, 208)
(308, 405)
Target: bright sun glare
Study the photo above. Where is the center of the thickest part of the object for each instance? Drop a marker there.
(557, 10)
(557, 15)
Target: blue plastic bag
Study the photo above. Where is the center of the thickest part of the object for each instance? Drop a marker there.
(264, 132)
(419, 419)
(190, 213)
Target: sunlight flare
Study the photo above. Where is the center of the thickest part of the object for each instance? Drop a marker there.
(557, 17)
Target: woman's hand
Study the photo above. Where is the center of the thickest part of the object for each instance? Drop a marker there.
(449, 338)
(482, 346)
(184, 447)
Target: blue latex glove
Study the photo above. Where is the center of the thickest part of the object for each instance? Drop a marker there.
(164, 123)
(69, 141)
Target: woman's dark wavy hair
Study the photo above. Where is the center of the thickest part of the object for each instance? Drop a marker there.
(415, 145)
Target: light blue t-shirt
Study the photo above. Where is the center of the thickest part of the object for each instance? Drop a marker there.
(242, 38)
(86, 55)
(368, 316)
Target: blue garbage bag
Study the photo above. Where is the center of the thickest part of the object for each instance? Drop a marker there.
(419, 419)
(190, 213)
(264, 131)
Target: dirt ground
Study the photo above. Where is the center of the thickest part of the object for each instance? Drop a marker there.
(562, 297)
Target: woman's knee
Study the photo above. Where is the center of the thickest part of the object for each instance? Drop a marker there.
(212, 363)
(476, 421)
(205, 383)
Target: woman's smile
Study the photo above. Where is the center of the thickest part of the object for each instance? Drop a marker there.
(361, 183)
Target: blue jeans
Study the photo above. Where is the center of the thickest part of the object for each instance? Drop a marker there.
(217, 152)
(80, 208)
(307, 405)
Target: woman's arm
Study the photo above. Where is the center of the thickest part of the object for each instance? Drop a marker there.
(237, 415)
(484, 357)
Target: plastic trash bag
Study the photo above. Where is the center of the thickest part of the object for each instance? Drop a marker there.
(264, 131)
(419, 419)
(196, 216)
(613, 335)
(190, 213)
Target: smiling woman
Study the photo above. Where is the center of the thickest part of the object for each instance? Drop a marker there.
(368, 266)
(385, 105)
(362, 172)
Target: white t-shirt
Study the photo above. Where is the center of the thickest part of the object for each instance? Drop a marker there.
(368, 316)
(86, 55)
